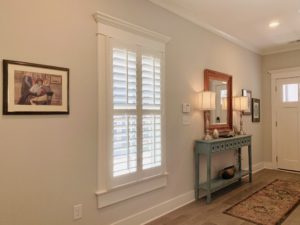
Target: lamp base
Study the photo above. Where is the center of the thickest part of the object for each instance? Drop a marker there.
(207, 135)
(242, 132)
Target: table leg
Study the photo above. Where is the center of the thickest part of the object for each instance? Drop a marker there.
(250, 162)
(208, 196)
(197, 175)
(239, 162)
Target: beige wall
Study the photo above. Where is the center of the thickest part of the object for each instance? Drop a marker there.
(273, 62)
(48, 163)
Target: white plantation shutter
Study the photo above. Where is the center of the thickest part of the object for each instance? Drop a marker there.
(151, 100)
(136, 114)
(124, 79)
(124, 145)
(151, 141)
(151, 82)
(124, 110)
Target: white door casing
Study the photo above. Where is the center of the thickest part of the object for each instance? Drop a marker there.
(286, 119)
(287, 128)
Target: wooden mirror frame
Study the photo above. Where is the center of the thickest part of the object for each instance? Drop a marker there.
(214, 75)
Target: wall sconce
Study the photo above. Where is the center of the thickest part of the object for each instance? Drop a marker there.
(207, 102)
(240, 104)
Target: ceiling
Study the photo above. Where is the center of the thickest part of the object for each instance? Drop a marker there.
(244, 22)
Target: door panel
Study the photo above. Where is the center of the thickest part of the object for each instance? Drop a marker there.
(287, 141)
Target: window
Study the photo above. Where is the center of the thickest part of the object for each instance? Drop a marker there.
(290, 92)
(131, 154)
(136, 115)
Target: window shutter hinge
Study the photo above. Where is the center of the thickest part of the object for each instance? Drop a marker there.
(276, 158)
(275, 88)
(276, 124)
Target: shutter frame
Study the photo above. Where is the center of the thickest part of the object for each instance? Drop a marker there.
(159, 166)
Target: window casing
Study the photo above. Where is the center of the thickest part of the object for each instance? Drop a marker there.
(132, 150)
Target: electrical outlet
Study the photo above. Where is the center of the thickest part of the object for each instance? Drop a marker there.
(77, 212)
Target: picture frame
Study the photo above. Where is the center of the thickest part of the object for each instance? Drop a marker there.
(255, 110)
(248, 94)
(30, 88)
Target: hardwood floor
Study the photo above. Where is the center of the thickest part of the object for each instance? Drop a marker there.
(199, 213)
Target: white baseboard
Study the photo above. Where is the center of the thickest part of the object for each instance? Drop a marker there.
(256, 167)
(268, 165)
(159, 210)
(168, 206)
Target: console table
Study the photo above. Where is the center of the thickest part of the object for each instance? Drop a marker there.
(209, 147)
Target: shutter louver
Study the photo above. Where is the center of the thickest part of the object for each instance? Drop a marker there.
(151, 83)
(124, 79)
(124, 145)
(151, 141)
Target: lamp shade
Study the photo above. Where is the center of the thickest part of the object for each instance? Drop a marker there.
(207, 100)
(240, 103)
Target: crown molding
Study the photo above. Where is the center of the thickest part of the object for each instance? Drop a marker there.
(186, 14)
(281, 48)
(101, 17)
(291, 71)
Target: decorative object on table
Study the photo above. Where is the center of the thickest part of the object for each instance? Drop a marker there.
(248, 94)
(271, 205)
(231, 133)
(215, 134)
(240, 104)
(228, 172)
(255, 110)
(207, 102)
(228, 134)
(30, 88)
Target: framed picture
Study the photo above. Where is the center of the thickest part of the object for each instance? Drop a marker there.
(247, 93)
(255, 110)
(30, 88)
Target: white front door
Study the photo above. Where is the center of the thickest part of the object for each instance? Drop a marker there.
(287, 107)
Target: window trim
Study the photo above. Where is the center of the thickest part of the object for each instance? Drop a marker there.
(130, 190)
(110, 27)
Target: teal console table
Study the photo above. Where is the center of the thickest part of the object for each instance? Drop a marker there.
(210, 147)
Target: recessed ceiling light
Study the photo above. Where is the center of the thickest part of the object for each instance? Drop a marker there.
(274, 24)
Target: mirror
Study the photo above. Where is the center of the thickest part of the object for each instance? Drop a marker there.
(221, 84)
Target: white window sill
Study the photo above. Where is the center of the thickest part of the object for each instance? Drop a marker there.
(127, 191)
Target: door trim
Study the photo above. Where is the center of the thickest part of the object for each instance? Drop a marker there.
(278, 74)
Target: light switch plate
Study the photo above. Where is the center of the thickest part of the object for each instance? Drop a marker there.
(186, 107)
(77, 212)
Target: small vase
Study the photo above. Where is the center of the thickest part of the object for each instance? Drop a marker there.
(215, 134)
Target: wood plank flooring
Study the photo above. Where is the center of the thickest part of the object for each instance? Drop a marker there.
(199, 213)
